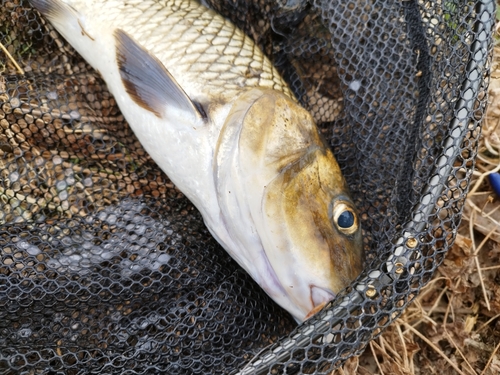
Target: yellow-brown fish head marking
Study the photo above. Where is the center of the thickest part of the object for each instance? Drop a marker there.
(309, 227)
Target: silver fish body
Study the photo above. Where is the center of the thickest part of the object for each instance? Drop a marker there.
(219, 120)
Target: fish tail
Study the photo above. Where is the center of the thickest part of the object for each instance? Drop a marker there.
(63, 16)
(54, 10)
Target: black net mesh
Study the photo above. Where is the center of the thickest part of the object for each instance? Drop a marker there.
(106, 268)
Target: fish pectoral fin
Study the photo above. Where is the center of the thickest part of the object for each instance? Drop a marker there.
(148, 82)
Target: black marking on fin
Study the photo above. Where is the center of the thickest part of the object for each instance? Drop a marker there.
(200, 109)
(146, 79)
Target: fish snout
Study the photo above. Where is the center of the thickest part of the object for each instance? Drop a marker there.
(319, 298)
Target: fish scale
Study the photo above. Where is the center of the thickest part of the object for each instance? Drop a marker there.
(201, 47)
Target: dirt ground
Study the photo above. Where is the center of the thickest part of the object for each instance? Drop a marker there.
(453, 327)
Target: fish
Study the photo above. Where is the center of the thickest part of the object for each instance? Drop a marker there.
(220, 121)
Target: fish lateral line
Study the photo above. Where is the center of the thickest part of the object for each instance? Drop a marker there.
(148, 82)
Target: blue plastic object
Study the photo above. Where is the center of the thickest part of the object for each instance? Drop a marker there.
(495, 183)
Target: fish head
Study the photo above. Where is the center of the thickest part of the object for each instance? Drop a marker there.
(307, 223)
(315, 231)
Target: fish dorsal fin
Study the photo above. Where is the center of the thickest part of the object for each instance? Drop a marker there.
(148, 82)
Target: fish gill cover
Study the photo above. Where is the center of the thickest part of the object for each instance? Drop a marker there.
(105, 267)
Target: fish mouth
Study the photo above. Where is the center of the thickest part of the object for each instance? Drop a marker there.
(319, 298)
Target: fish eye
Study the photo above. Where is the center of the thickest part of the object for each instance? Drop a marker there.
(345, 218)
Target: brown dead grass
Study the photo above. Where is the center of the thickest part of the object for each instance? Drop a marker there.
(453, 326)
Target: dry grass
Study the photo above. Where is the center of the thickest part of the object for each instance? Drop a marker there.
(453, 326)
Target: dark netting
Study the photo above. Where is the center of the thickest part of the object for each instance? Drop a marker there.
(106, 268)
